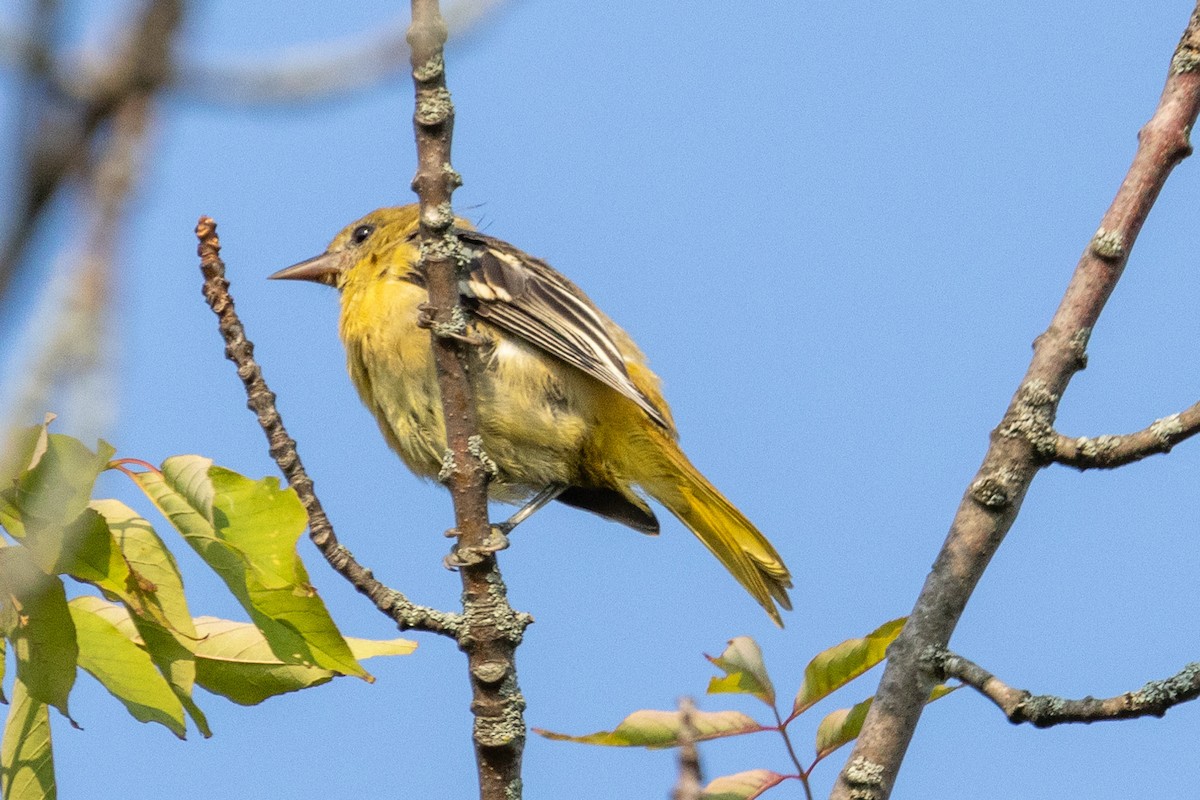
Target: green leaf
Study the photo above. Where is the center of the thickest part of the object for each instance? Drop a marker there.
(156, 600)
(658, 729)
(744, 669)
(843, 726)
(3, 666)
(25, 448)
(742, 786)
(129, 562)
(56, 487)
(124, 668)
(26, 760)
(837, 666)
(234, 660)
(247, 532)
(37, 622)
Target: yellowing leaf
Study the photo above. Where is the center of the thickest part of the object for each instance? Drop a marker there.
(742, 786)
(840, 664)
(234, 660)
(843, 726)
(744, 669)
(371, 648)
(657, 729)
(26, 760)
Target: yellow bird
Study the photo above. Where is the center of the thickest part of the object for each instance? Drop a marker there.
(567, 406)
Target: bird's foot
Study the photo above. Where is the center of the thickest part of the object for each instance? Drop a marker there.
(496, 540)
(454, 329)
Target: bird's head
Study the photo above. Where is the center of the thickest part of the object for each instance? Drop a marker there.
(363, 250)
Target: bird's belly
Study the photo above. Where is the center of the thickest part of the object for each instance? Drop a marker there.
(534, 416)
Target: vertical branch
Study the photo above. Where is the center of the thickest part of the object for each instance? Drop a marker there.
(492, 629)
(690, 783)
(1023, 443)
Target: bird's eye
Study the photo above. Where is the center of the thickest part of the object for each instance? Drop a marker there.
(361, 234)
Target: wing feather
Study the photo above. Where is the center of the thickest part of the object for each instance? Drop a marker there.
(528, 298)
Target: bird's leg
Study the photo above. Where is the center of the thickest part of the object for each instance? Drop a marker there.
(497, 538)
(535, 504)
(454, 329)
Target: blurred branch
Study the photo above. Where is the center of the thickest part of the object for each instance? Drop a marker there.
(60, 138)
(691, 779)
(1108, 452)
(1023, 442)
(1044, 710)
(323, 70)
(493, 629)
(68, 336)
(67, 340)
(34, 64)
(261, 400)
(301, 74)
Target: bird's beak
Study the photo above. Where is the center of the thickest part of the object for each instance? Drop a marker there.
(324, 268)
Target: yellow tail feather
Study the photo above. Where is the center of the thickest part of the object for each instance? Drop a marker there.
(670, 478)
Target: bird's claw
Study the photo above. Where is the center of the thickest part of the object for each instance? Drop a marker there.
(459, 557)
(443, 330)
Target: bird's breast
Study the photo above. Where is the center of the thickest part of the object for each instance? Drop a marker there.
(391, 366)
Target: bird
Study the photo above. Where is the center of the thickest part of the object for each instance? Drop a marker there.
(568, 407)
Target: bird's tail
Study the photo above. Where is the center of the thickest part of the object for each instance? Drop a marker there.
(670, 478)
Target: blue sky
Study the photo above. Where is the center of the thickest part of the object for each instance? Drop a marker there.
(835, 229)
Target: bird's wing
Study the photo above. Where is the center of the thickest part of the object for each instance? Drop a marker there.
(528, 298)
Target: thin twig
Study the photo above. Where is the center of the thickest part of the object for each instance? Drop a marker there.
(1044, 710)
(493, 629)
(1108, 452)
(801, 772)
(690, 783)
(1024, 441)
(261, 400)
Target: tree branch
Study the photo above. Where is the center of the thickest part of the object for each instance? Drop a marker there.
(60, 136)
(690, 782)
(261, 400)
(493, 628)
(1044, 710)
(1109, 452)
(323, 71)
(1023, 442)
(298, 74)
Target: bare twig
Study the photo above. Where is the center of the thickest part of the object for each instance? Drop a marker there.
(1108, 452)
(1024, 441)
(691, 779)
(1044, 710)
(261, 400)
(493, 628)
